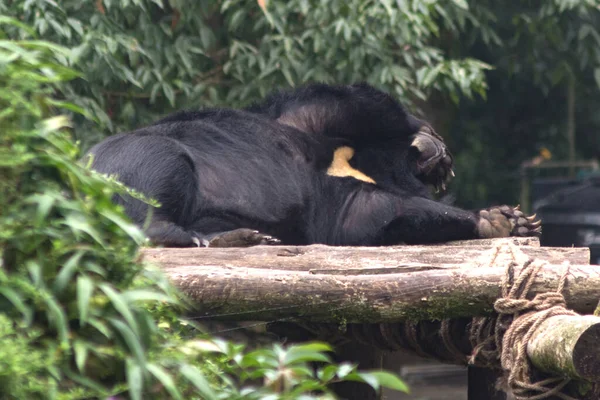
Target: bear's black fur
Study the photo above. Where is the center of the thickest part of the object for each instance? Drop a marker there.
(220, 174)
(369, 120)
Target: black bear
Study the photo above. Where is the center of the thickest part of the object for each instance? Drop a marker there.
(337, 165)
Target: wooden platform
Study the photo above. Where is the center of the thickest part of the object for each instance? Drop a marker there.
(374, 286)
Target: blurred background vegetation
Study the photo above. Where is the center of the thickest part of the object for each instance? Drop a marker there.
(493, 77)
(502, 81)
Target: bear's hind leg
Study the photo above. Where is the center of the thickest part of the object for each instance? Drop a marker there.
(169, 234)
(241, 237)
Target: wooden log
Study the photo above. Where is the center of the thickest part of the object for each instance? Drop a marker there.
(367, 260)
(363, 285)
(567, 345)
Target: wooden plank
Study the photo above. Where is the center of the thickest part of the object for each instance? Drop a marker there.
(364, 260)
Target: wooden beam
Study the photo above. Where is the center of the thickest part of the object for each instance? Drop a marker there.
(567, 345)
(366, 260)
(258, 294)
(365, 285)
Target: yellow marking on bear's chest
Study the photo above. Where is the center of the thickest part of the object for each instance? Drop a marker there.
(340, 166)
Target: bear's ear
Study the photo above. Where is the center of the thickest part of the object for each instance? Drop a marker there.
(309, 118)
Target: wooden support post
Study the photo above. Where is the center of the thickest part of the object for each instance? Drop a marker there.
(368, 358)
(482, 385)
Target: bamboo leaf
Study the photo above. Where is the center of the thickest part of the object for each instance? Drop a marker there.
(85, 289)
(164, 378)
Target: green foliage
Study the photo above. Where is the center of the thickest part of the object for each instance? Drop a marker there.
(286, 371)
(80, 316)
(558, 40)
(145, 58)
(20, 360)
(538, 48)
(303, 40)
(142, 59)
(68, 277)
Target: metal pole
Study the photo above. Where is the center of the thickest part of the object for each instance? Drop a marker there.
(571, 124)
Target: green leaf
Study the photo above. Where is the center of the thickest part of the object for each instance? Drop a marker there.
(44, 45)
(305, 387)
(196, 378)
(203, 346)
(313, 346)
(76, 25)
(78, 223)
(58, 318)
(135, 379)
(81, 352)
(365, 378)
(305, 356)
(44, 201)
(237, 19)
(597, 76)
(101, 327)
(431, 74)
(85, 289)
(164, 378)
(307, 353)
(35, 272)
(128, 227)
(132, 341)
(344, 369)
(69, 106)
(169, 93)
(288, 75)
(328, 373)
(5, 20)
(69, 268)
(389, 380)
(8, 57)
(9, 159)
(461, 4)
(121, 306)
(84, 381)
(16, 300)
(132, 296)
(27, 56)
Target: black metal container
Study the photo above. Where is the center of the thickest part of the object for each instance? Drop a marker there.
(571, 217)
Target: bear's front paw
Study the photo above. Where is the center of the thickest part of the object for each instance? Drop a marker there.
(506, 221)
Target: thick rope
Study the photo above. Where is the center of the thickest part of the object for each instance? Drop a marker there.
(505, 337)
(410, 332)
